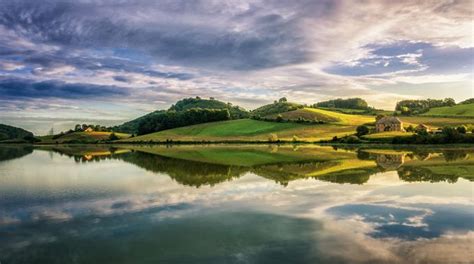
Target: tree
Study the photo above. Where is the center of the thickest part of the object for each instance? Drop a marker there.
(77, 127)
(405, 110)
(379, 116)
(282, 100)
(408, 107)
(468, 101)
(279, 118)
(461, 129)
(349, 103)
(362, 130)
(113, 137)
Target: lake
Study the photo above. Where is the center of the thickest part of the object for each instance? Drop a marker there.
(236, 204)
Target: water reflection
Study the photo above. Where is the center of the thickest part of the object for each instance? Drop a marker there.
(191, 166)
(253, 204)
(10, 152)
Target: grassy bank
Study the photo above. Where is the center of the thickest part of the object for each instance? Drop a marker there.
(248, 130)
(461, 110)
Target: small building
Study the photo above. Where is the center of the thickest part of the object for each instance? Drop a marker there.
(89, 129)
(422, 128)
(390, 162)
(388, 123)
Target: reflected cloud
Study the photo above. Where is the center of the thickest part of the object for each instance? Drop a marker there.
(127, 192)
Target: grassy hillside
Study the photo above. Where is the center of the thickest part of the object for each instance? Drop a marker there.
(80, 137)
(436, 121)
(386, 136)
(236, 112)
(180, 110)
(254, 130)
(131, 127)
(460, 110)
(336, 124)
(277, 107)
(326, 116)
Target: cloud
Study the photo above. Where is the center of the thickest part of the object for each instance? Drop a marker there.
(178, 31)
(19, 88)
(249, 52)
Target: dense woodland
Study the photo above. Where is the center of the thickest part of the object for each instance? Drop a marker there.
(15, 133)
(172, 119)
(350, 103)
(415, 107)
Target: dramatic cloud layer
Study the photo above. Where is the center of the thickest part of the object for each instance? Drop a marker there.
(144, 55)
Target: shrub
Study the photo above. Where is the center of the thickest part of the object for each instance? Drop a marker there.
(461, 129)
(113, 137)
(279, 118)
(272, 138)
(362, 130)
(351, 140)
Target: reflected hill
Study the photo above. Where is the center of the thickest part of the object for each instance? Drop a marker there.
(447, 166)
(210, 165)
(10, 152)
(85, 153)
(187, 172)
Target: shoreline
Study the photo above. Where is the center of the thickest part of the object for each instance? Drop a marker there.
(230, 143)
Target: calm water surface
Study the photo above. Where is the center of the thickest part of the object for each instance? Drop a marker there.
(235, 204)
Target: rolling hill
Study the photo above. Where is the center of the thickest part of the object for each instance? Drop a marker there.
(325, 116)
(258, 130)
(460, 110)
(79, 137)
(180, 108)
(15, 134)
(277, 107)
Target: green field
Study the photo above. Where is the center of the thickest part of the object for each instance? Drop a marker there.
(248, 130)
(462, 110)
(386, 136)
(436, 121)
(335, 124)
(316, 114)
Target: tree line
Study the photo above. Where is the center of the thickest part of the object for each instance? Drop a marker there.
(415, 107)
(350, 103)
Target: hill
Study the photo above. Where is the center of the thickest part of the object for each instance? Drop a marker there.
(349, 103)
(131, 127)
(15, 134)
(236, 112)
(248, 130)
(467, 101)
(461, 110)
(181, 109)
(280, 106)
(316, 115)
(417, 107)
(80, 137)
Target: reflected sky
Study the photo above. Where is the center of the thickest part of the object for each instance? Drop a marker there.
(135, 205)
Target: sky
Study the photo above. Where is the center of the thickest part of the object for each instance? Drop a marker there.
(109, 61)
